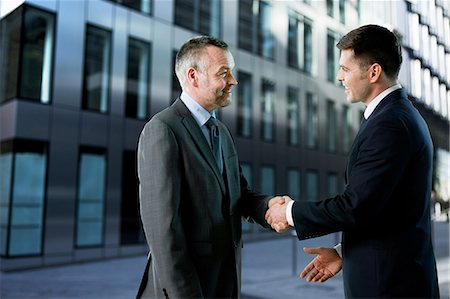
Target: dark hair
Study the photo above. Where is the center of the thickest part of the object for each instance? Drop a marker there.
(190, 54)
(374, 44)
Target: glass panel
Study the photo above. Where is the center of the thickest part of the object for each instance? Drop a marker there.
(311, 121)
(308, 48)
(96, 69)
(332, 185)
(268, 111)
(312, 185)
(185, 14)
(91, 193)
(246, 25)
(331, 123)
(27, 203)
(5, 192)
(244, 102)
(10, 41)
(293, 187)
(267, 180)
(293, 112)
(294, 40)
(139, 5)
(266, 45)
(331, 57)
(138, 75)
(37, 43)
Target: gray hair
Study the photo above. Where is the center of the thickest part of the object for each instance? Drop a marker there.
(191, 55)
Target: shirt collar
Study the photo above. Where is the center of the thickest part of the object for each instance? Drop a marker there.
(377, 100)
(201, 115)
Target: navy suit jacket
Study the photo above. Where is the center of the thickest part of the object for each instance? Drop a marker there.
(384, 211)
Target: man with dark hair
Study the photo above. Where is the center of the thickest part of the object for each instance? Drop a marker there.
(191, 188)
(384, 211)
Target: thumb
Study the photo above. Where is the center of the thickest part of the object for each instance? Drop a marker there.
(312, 250)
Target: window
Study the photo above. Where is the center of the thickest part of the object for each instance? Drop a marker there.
(96, 69)
(332, 184)
(247, 172)
(144, 6)
(336, 11)
(176, 87)
(266, 39)
(91, 197)
(312, 185)
(332, 56)
(200, 16)
(130, 226)
(268, 111)
(346, 129)
(312, 122)
(331, 126)
(300, 44)
(27, 44)
(267, 183)
(23, 180)
(244, 104)
(293, 183)
(255, 28)
(293, 112)
(138, 78)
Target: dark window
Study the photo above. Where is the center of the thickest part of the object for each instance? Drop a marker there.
(331, 126)
(22, 197)
(202, 16)
(130, 227)
(27, 42)
(138, 79)
(293, 116)
(244, 103)
(268, 111)
(96, 69)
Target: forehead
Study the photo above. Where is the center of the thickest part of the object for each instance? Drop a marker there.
(347, 58)
(219, 58)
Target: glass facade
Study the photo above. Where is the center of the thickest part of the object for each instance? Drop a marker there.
(293, 184)
(332, 56)
(300, 42)
(293, 116)
(244, 104)
(96, 79)
(312, 185)
(255, 25)
(138, 79)
(91, 198)
(144, 6)
(23, 187)
(312, 121)
(201, 16)
(268, 111)
(331, 126)
(27, 37)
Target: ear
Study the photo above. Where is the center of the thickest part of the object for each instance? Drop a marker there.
(375, 71)
(191, 77)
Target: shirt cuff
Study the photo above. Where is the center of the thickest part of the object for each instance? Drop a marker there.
(338, 248)
(289, 217)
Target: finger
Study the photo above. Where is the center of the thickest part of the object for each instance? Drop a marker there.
(318, 276)
(307, 269)
(311, 250)
(311, 276)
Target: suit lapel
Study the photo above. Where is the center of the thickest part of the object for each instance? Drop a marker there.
(199, 139)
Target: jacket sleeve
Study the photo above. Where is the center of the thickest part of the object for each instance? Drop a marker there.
(159, 190)
(380, 161)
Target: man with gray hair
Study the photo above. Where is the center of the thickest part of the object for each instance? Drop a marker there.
(192, 192)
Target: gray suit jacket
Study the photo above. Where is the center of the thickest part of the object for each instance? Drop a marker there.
(191, 213)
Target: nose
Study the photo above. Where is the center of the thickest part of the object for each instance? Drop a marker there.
(339, 76)
(232, 80)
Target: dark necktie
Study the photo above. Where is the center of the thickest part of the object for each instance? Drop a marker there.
(214, 138)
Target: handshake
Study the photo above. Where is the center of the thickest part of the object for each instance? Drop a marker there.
(276, 214)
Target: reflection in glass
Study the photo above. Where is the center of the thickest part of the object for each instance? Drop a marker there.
(96, 69)
(268, 111)
(91, 197)
(312, 122)
(266, 45)
(244, 103)
(300, 51)
(22, 199)
(138, 75)
(293, 112)
(201, 16)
